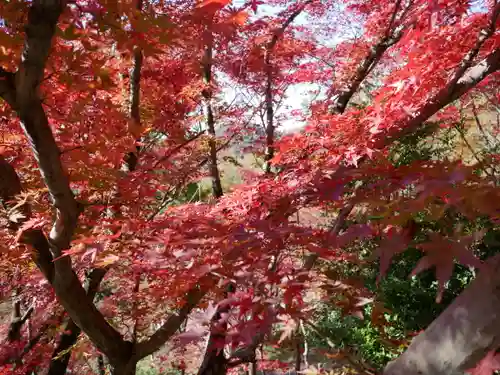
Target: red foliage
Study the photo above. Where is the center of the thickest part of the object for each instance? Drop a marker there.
(423, 56)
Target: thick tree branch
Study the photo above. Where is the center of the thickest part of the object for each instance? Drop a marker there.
(18, 213)
(62, 352)
(390, 38)
(214, 360)
(484, 34)
(449, 93)
(462, 335)
(42, 19)
(174, 321)
(73, 294)
(463, 79)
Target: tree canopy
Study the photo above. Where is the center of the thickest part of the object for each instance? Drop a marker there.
(121, 239)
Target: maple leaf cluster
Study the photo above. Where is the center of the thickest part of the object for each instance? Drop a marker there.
(112, 110)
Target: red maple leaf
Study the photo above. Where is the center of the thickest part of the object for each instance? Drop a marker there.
(441, 253)
(395, 242)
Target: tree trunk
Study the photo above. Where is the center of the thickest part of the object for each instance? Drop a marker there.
(214, 363)
(17, 320)
(209, 118)
(124, 368)
(298, 354)
(132, 158)
(252, 368)
(269, 154)
(462, 335)
(62, 352)
(101, 366)
(214, 359)
(270, 127)
(305, 345)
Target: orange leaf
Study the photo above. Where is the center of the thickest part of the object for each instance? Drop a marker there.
(107, 260)
(240, 18)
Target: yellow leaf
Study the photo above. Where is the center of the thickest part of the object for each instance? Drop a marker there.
(107, 260)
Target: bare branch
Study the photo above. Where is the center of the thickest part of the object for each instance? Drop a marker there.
(17, 321)
(279, 32)
(178, 148)
(43, 16)
(174, 321)
(42, 19)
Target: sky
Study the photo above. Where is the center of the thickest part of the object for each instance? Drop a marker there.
(297, 95)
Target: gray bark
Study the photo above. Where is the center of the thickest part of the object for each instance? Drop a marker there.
(462, 335)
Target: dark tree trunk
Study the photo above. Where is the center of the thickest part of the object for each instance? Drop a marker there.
(214, 360)
(270, 127)
(132, 158)
(62, 353)
(124, 368)
(298, 354)
(17, 321)
(269, 153)
(209, 119)
(101, 366)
